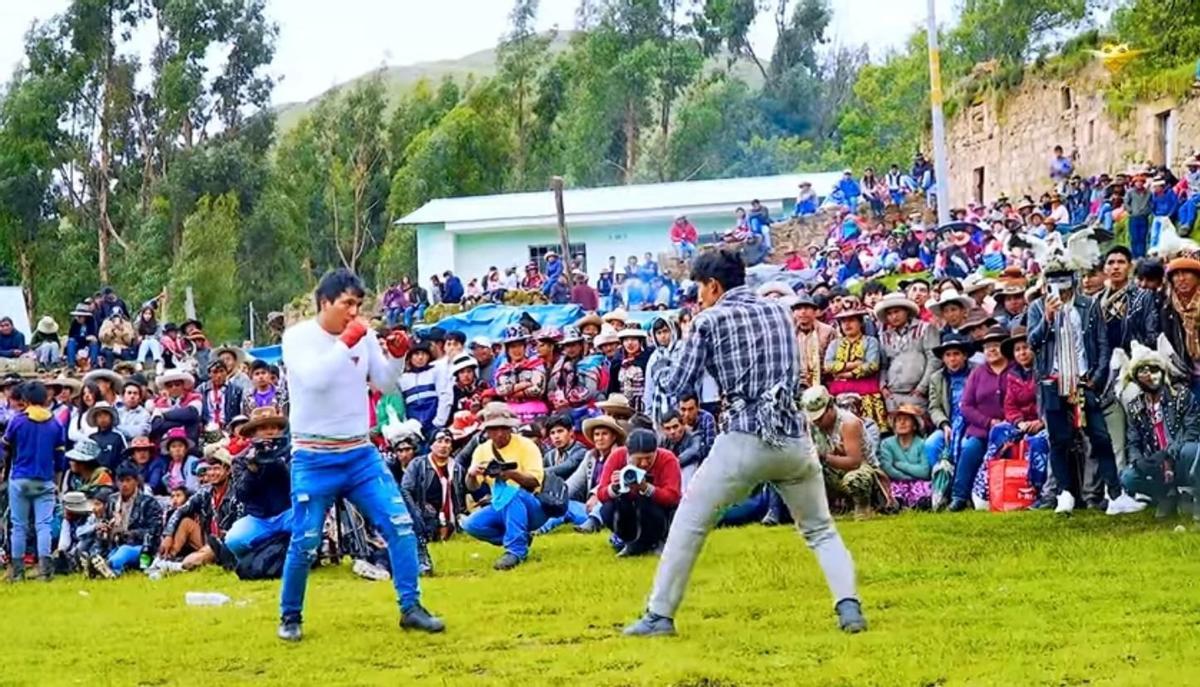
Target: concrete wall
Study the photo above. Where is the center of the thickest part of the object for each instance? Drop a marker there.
(1012, 140)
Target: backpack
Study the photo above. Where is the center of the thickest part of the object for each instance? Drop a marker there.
(265, 561)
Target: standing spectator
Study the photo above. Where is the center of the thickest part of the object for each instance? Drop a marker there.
(1061, 168)
(1137, 208)
(684, 238)
(12, 340)
(1163, 205)
(583, 295)
(554, 271)
(849, 189)
(437, 291)
(35, 447)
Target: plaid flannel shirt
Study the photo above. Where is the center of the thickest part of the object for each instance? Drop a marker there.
(746, 343)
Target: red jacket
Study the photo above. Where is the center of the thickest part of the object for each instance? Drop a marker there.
(664, 475)
(1020, 396)
(684, 232)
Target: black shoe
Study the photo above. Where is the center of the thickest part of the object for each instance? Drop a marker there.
(957, 505)
(507, 562)
(417, 618)
(424, 561)
(631, 551)
(16, 573)
(592, 526)
(850, 616)
(45, 568)
(1168, 507)
(289, 629)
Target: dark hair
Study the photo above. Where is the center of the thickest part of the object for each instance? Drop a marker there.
(641, 441)
(641, 421)
(274, 370)
(1119, 250)
(873, 287)
(128, 469)
(723, 266)
(335, 283)
(839, 292)
(689, 396)
(34, 393)
(1151, 268)
(460, 337)
(260, 364)
(92, 388)
(669, 416)
(561, 420)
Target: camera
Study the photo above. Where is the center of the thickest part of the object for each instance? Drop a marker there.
(496, 466)
(630, 476)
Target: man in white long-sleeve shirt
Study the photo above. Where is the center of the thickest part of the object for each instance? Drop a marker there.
(330, 359)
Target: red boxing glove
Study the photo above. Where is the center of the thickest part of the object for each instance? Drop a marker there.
(353, 333)
(397, 344)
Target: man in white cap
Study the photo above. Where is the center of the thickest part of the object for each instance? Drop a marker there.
(484, 353)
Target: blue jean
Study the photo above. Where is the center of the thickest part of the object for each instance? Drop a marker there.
(111, 356)
(966, 464)
(686, 250)
(124, 556)
(25, 495)
(73, 350)
(249, 531)
(1156, 226)
(576, 515)
(360, 476)
(413, 312)
(935, 443)
(510, 526)
(1139, 231)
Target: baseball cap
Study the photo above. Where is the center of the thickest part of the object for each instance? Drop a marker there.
(481, 342)
(815, 400)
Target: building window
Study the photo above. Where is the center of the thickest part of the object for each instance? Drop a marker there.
(1065, 96)
(538, 253)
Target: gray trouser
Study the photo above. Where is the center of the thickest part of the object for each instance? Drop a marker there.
(736, 463)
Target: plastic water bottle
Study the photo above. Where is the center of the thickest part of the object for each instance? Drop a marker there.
(206, 599)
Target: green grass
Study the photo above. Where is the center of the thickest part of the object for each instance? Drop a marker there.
(969, 599)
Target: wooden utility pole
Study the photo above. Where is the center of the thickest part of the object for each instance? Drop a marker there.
(556, 185)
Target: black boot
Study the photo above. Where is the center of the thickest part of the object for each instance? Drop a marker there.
(16, 571)
(45, 568)
(424, 561)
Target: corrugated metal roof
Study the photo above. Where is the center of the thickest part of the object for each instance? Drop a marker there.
(538, 207)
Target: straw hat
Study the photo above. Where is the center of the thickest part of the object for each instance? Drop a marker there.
(948, 297)
(910, 410)
(102, 407)
(589, 319)
(76, 502)
(976, 282)
(67, 383)
(617, 406)
(238, 353)
(618, 315)
(607, 335)
(266, 416)
(170, 376)
(47, 325)
(591, 424)
(895, 300)
(115, 380)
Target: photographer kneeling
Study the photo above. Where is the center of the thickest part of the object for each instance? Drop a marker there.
(512, 466)
(262, 484)
(639, 493)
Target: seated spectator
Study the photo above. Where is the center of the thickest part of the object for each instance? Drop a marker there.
(34, 443)
(188, 537)
(583, 510)
(565, 454)
(117, 339)
(45, 344)
(639, 492)
(76, 538)
(180, 466)
(177, 405)
(685, 444)
(902, 459)
(945, 398)
(214, 508)
(435, 487)
(262, 485)
(521, 381)
(148, 331)
(12, 340)
(684, 238)
(701, 422)
(133, 523)
(982, 408)
(514, 476)
(840, 443)
(112, 443)
(133, 418)
(575, 380)
(470, 392)
(86, 473)
(82, 336)
(141, 455)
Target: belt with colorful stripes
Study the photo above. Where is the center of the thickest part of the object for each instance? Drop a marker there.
(324, 444)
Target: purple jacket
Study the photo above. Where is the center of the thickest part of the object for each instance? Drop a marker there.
(983, 400)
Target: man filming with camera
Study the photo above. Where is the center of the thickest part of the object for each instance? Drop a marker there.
(640, 489)
(512, 466)
(262, 484)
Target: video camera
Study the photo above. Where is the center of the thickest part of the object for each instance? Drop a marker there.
(630, 476)
(495, 467)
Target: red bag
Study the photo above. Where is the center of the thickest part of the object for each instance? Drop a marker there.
(1008, 485)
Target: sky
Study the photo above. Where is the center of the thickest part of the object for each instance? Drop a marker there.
(323, 43)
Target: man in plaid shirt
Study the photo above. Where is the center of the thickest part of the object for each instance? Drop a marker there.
(747, 344)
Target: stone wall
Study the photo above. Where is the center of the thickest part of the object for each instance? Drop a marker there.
(1008, 143)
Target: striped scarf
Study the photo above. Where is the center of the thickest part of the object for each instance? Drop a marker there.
(1189, 317)
(1066, 352)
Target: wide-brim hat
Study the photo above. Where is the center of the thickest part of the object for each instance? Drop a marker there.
(47, 325)
(271, 418)
(618, 315)
(1026, 203)
(995, 334)
(905, 283)
(139, 443)
(114, 379)
(102, 407)
(801, 300)
(847, 314)
(948, 297)
(608, 422)
(76, 502)
(191, 322)
(976, 282)
(775, 288)
(67, 383)
(910, 410)
(82, 310)
(1183, 264)
(895, 300)
(175, 375)
(464, 425)
(617, 406)
(463, 362)
(238, 353)
(1016, 336)
(589, 319)
(631, 333)
(978, 317)
(954, 341)
(500, 420)
(171, 438)
(607, 335)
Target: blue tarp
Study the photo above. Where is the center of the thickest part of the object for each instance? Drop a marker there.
(270, 354)
(490, 320)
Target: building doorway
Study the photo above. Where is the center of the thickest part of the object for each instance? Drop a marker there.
(977, 185)
(1164, 138)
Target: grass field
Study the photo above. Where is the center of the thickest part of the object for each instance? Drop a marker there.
(968, 599)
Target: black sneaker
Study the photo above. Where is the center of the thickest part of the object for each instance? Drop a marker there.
(850, 616)
(289, 629)
(507, 562)
(417, 618)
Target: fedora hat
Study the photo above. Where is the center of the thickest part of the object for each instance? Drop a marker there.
(115, 380)
(175, 375)
(76, 502)
(607, 335)
(85, 451)
(176, 434)
(1016, 336)
(139, 443)
(954, 340)
(608, 422)
(976, 282)
(236, 352)
(463, 362)
(995, 334)
(895, 300)
(978, 317)
(67, 383)
(102, 407)
(948, 297)
(266, 416)
(617, 406)
(591, 319)
(82, 310)
(618, 315)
